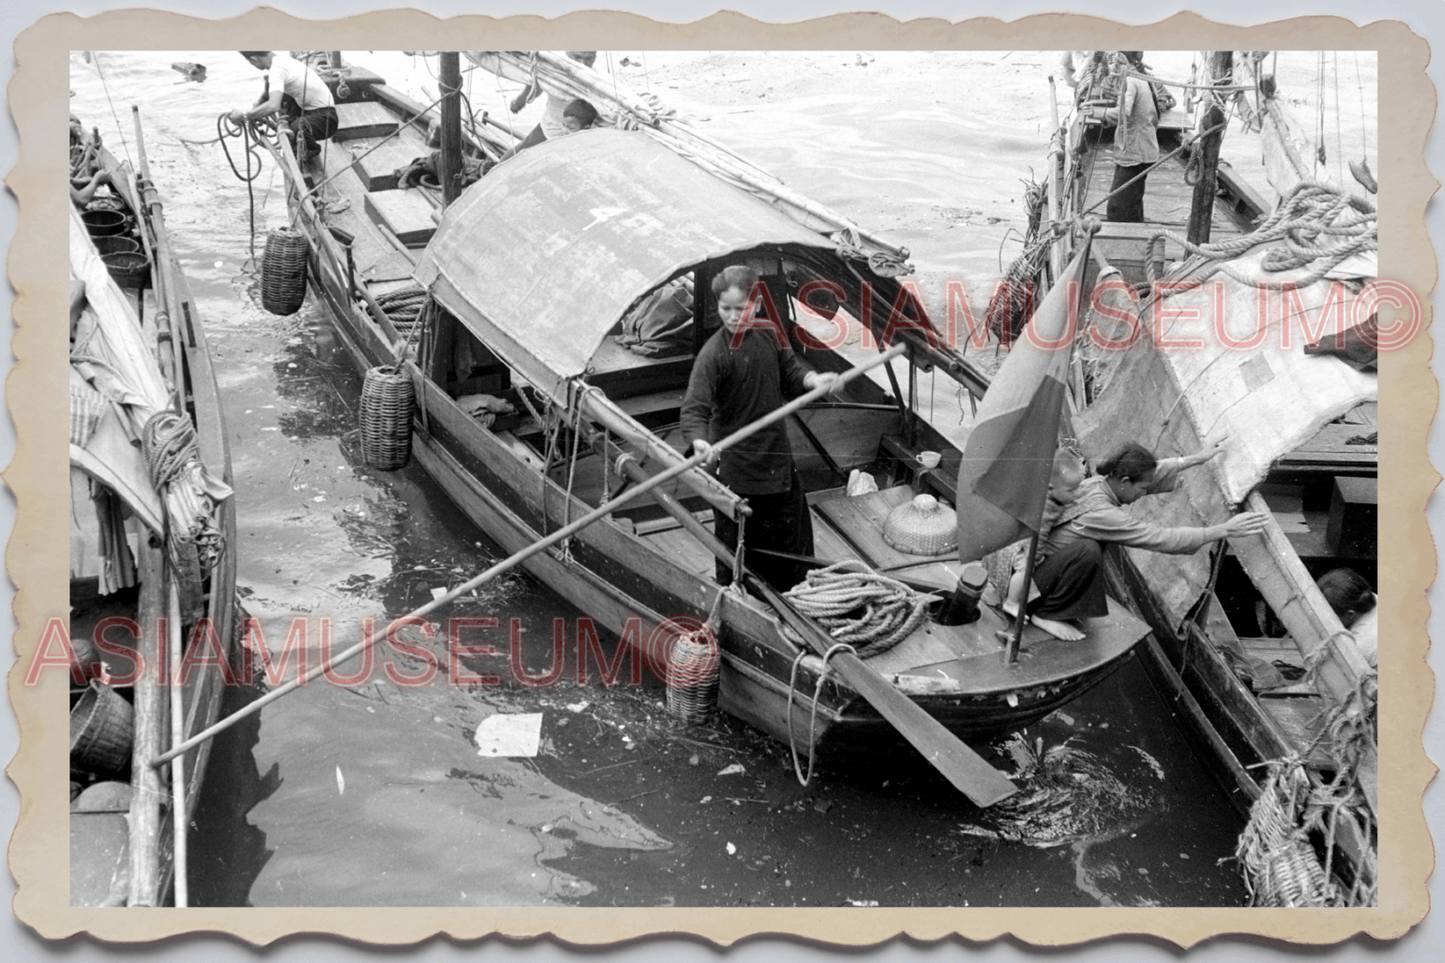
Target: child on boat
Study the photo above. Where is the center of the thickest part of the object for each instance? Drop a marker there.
(1068, 475)
(744, 372)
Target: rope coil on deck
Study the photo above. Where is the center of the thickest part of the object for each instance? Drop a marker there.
(1317, 224)
(403, 307)
(862, 608)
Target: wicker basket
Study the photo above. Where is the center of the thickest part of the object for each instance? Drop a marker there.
(283, 271)
(101, 729)
(130, 269)
(692, 679)
(387, 404)
(104, 223)
(116, 244)
(922, 527)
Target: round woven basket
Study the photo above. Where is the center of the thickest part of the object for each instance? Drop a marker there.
(692, 683)
(104, 223)
(387, 404)
(101, 726)
(131, 269)
(283, 271)
(116, 244)
(922, 527)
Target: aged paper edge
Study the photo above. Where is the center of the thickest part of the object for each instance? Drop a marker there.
(37, 561)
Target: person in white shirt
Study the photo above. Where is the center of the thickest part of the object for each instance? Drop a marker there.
(299, 94)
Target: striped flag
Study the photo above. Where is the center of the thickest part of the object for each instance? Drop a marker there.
(1003, 478)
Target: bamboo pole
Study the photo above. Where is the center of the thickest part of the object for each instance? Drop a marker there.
(517, 558)
(180, 863)
(146, 789)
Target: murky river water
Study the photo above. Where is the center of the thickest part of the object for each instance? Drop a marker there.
(372, 793)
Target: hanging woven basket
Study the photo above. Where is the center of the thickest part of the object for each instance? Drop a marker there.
(283, 271)
(922, 527)
(692, 684)
(387, 404)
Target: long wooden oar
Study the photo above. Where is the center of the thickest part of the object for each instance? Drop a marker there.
(512, 561)
(969, 772)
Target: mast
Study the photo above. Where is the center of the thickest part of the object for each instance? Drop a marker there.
(1201, 211)
(451, 159)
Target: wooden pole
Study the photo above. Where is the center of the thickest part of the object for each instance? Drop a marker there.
(1201, 210)
(146, 791)
(1016, 634)
(451, 89)
(512, 561)
(180, 863)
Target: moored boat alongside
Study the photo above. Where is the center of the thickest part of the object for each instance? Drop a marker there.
(152, 584)
(1278, 358)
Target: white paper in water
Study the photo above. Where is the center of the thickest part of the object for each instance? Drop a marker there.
(509, 734)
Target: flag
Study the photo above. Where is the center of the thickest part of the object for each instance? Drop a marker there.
(1003, 477)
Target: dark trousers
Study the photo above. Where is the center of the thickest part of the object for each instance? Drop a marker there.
(1071, 583)
(311, 127)
(1127, 204)
(781, 523)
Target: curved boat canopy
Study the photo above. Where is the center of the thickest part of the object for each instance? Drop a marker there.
(544, 255)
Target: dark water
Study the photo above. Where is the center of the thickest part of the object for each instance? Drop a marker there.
(373, 793)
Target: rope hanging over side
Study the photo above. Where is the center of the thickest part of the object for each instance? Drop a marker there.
(863, 608)
(173, 462)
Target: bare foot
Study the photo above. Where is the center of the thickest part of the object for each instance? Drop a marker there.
(1062, 631)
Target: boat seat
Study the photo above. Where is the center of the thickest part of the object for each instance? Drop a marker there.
(377, 169)
(406, 214)
(364, 118)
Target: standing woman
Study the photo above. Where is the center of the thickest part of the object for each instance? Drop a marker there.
(1136, 141)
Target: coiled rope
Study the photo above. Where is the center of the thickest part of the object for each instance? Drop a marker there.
(835, 595)
(403, 307)
(1317, 224)
(168, 442)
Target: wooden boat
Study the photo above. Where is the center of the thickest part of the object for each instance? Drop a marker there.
(1279, 694)
(529, 282)
(153, 566)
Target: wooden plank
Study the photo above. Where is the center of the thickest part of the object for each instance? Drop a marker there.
(377, 168)
(363, 118)
(404, 213)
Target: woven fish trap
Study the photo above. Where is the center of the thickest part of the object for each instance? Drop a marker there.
(922, 527)
(387, 405)
(101, 730)
(283, 271)
(693, 679)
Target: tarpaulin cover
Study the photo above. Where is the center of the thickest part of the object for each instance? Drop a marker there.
(1268, 400)
(544, 255)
